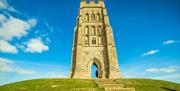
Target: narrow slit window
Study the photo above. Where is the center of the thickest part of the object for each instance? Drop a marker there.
(93, 17)
(93, 30)
(86, 30)
(98, 17)
(99, 30)
(93, 40)
(86, 40)
(87, 17)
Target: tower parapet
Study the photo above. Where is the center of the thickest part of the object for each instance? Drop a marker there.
(92, 3)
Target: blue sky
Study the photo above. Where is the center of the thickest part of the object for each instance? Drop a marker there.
(146, 33)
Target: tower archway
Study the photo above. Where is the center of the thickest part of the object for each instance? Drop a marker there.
(98, 71)
(94, 71)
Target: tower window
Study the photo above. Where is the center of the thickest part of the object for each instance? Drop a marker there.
(87, 17)
(93, 40)
(99, 30)
(93, 17)
(98, 17)
(93, 30)
(86, 30)
(86, 40)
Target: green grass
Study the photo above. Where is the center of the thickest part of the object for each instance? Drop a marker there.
(51, 85)
(150, 85)
(87, 85)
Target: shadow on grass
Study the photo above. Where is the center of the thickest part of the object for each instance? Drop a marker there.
(168, 89)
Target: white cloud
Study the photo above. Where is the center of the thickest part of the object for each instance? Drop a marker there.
(2, 18)
(170, 77)
(162, 70)
(7, 65)
(177, 75)
(168, 70)
(151, 52)
(43, 65)
(26, 72)
(36, 46)
(13, 27)
(170, 42)
(152, 70)
(4, 5)
(7, 47)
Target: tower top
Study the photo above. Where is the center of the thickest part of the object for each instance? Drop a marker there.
(101, 0)
(92, 1)
(83, 0)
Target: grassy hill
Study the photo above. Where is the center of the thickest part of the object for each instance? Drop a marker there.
(150, 85)
(87, 85)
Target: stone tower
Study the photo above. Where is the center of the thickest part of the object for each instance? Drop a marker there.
(94, 43)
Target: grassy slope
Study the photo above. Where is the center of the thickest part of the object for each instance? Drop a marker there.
(150, 85)
(50, 85)
(68, 84)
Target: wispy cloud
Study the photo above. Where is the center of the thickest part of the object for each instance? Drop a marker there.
(169, 77)
(48, 41)
(177, 75)
(167, 42)
(151, 52)
(5, 6)
(24, 71)
(50, 28)
(169, 69)
(165, 72)
(40, 64)
(7, 65)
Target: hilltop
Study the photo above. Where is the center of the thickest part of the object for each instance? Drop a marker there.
(87, 85)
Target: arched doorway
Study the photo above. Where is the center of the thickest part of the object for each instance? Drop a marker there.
(94, 71)
(95, 68)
